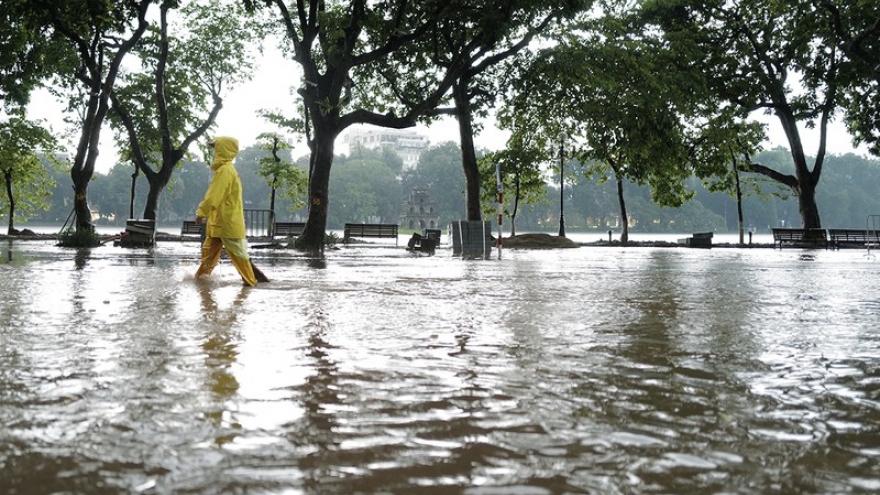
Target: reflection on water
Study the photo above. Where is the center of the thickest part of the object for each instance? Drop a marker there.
(368, 370)
(220, 347)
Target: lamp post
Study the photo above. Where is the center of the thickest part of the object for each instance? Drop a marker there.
(562, 137)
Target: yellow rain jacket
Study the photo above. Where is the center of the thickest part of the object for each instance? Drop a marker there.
(223, 207)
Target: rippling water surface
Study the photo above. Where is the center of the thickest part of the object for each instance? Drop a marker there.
(370, 370)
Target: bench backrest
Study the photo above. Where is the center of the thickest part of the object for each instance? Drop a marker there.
(799, 234)
(191, 227)
(853, 235)
(371, 229)
(289, 228)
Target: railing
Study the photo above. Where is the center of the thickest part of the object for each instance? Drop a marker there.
(259, 222)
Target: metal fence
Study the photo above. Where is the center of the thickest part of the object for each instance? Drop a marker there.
(259, 222)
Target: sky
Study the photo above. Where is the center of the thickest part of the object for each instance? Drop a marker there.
(270, 89)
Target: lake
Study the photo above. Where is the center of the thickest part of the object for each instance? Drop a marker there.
(594, 370)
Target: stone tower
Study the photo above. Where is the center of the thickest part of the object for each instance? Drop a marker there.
(419, 212)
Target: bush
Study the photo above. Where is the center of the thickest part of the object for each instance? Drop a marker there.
(79, 238)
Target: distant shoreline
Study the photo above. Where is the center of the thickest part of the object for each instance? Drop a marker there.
(525, 241)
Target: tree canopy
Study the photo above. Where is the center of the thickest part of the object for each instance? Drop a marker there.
(759, 55)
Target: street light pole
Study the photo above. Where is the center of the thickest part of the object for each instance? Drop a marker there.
(561, 184)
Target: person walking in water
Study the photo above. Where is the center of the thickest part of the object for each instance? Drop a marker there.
(223, 212)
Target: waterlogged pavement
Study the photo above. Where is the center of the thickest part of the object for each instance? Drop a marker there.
(372, 370)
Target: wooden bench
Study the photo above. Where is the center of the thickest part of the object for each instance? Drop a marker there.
(800, 237)
(138, 233)
(288, 229)
(852, 238)
(191, 227)
(369, 230)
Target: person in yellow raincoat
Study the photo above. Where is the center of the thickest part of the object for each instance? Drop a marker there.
(223, 210)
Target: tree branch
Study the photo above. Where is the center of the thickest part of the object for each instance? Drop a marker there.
(757, 168)
(136, 151)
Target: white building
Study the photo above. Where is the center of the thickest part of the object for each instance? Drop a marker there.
(406, 142)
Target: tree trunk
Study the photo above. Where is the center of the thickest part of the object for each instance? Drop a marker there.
(515, 208)
(624, 226)
(83, 167)
(81, 178)
(151, 208)
(468, 153)
(319, 184)
(739, 204)
(272, 216)
(134, 176)
(158, 180)
(806, 180)
(7, 175)
(807, 206)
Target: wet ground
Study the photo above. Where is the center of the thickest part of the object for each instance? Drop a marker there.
(373, 370)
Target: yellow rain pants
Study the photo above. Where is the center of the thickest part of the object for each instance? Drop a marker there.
(236, 249)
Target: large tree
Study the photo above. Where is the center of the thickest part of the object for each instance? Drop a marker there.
(391, 64)
(606, 91)
(102, 33)
(338, 45)
(763, 55)
(186, 68)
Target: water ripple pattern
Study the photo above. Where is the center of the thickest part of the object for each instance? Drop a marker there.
(370, 370)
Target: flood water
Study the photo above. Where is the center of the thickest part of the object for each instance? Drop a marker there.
(375, 371)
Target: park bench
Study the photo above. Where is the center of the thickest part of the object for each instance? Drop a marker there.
(800, 237)
(369, 230)
(190, 227)
(288, 229)
(852, 238)
(138, 233)
(698, 240)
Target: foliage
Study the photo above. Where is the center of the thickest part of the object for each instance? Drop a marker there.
(603, 94)
(27, 183)
(28, 55)
(281, 175)
(439, 169)
(364, 190)
(779, 57)
(521, 178)
(186, 67)
(857, 27)
(102, 34)
(79, 238)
